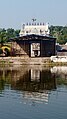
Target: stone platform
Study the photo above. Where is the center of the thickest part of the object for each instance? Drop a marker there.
(25, 60)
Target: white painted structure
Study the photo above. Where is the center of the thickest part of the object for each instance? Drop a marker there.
(35, 49)
(34, 28)
(58, 58)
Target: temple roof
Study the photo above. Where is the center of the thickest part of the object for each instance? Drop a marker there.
(33, 36)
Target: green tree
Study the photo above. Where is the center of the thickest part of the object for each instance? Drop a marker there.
(60, 32)
(2, 36)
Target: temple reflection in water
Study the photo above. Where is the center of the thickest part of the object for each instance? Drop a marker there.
(34, 82)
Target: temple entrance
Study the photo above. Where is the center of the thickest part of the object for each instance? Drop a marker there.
(35, 49)
(36, 53)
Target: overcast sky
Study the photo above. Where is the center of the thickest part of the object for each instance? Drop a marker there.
(15, 12)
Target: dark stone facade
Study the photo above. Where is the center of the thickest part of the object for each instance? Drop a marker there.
(35, 45)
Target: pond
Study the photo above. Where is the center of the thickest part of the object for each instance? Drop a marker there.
(33, 92)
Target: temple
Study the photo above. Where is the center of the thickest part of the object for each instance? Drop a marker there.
(35, 41)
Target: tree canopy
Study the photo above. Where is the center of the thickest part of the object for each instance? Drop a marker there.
(5, 35)
(60, 32)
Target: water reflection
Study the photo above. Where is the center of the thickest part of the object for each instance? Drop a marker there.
(35, 82)
(60, 74)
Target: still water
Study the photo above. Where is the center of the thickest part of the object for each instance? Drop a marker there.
(33, 92)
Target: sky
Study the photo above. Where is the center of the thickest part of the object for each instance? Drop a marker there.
(13, 13)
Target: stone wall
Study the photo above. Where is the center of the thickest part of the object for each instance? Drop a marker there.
(20, 49)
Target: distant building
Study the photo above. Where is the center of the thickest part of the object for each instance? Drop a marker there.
(61, 49)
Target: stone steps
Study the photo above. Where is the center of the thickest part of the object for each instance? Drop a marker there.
(24, 60)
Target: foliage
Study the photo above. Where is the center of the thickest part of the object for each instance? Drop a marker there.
(5, 35)
(60, 32)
